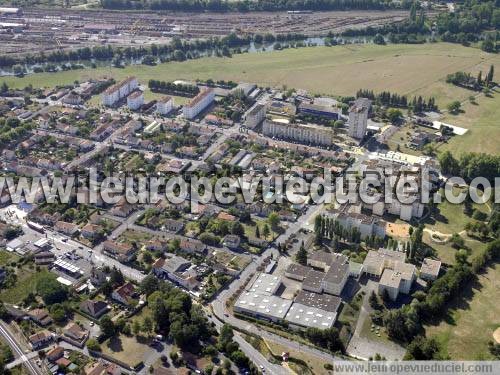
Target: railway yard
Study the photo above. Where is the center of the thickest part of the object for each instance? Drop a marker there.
(34, 30)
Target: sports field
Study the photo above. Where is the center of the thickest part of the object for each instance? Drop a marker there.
(474, 317)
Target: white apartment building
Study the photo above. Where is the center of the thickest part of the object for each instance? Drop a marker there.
(396, 276)
(198, 104)
(135, 100)
(358, 118)
(397, 280)
(255, 116)
(303, 133)
(164, 105)
(119, 91)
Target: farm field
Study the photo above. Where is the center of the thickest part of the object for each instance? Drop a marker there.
(339, 70)
(472, 320)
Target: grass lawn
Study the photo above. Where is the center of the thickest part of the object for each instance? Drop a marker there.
(6, 257)
(131, 235)
(450, 217)
(472, 320)
(482, 121)
(125, 349)
(447, 253)
(27, 280)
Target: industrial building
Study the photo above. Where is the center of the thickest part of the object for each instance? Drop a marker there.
(198, 104)
(308, 310)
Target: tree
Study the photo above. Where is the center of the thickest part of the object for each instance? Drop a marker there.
(149, 284)
(225, 337)
(257, 231)
(51, 290)
(461, 256)
(4, 88)
(422, 349)
(265, 231)
(491, 75)
(394, 115)
(136, 327)
(147, 325)
(449, 165)
(58, 312)
(92, 344)
(457, 241)
(116, 277)
(454, 107)
(379, 39)
(107, 326)
(273, 220)
(301, 256)
(373, 300)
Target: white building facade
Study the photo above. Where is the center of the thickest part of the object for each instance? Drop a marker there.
(119, 91)
(135, 100)
(165, 105)
(198, 104)
(358, 118)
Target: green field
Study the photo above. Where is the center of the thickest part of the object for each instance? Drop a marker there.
(472, 320)
(482, 121)
(340, 70)
(27, 280)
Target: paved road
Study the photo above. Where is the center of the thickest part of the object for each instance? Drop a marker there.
(21, 360)
(18, 351)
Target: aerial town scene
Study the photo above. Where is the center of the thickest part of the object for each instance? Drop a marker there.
(249, 187)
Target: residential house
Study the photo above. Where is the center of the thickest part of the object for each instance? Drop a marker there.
(75, 334)
(69, 229)
(192, 246)
(40, 316)
(122, 208)
(124, 294)
(178, 270)
(55, 353)
(43, 257)
(231, 241)
(101, 368)
(94, 308)
(91, 231)
(172, 225)
(123, 252)
(97, 276)
(40, 339)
